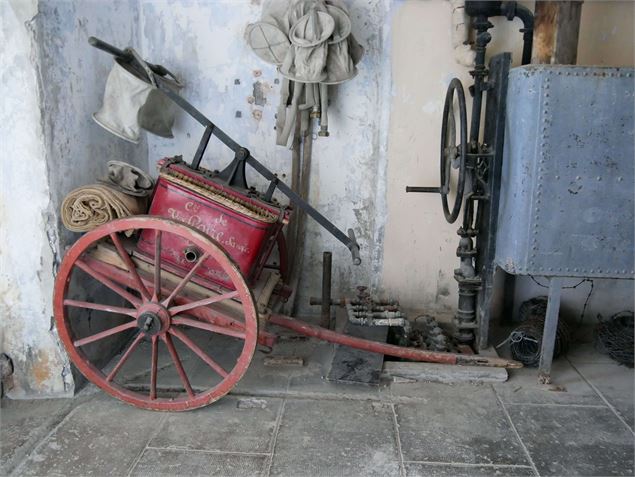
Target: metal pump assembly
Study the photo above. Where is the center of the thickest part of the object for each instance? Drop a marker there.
(477, 163)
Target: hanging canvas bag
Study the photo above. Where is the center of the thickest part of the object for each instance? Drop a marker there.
(133, 102)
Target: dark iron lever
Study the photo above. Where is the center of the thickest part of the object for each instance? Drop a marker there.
(433, 190)
(234, 172)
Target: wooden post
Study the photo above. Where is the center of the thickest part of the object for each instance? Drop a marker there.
(556, 30)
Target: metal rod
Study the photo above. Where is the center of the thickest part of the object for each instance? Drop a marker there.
(412, 354)
(108, 48)
(527, 18)
(270, 190)
(481, 24)
(435, 190)
(325, 320)
(196, 162)
(292, 227)
(550, 329)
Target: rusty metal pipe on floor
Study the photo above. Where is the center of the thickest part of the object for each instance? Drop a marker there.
(412, 354)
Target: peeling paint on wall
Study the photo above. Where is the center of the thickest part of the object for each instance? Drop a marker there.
(55, 146)
(261, 89)
(27, 258)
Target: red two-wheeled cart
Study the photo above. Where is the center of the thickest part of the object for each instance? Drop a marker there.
(193, 276)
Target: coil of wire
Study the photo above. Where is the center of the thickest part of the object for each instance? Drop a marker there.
(526, 340)
(614, 337)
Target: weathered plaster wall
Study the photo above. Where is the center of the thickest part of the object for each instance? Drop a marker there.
(50, 145)
(607, 35)
(73, 76)
(202, 41)
(28, 236)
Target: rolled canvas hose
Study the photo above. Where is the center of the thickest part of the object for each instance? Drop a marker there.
(88, 207)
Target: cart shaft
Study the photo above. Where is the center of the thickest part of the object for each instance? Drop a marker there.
(388, 349)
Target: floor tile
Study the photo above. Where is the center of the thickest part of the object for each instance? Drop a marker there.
(170, 462)
(260, 379)
(137, 369)
(311, 380)
(616, 384)
(586, 353)
(566, 388)
(457, 424)
(100, 437)
(336, 438)
(311, 386)
(429, 391)
(23, 422)
(221, 426)
(574, 440)
(418, 469)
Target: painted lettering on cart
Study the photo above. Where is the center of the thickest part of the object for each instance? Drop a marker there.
(212, 226)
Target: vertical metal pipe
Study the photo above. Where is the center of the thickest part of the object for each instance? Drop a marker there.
(325, 319)
(481, 24)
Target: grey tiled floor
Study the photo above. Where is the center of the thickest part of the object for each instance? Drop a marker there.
(289, 421)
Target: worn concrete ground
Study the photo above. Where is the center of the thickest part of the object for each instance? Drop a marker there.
(286, 420)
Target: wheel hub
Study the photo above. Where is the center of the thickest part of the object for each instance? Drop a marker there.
(149, 323)
(153, 319)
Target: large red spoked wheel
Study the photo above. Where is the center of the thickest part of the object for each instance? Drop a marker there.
(160, 321)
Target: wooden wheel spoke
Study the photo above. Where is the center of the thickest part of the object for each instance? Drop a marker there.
(97, 306)
(185, 280)
(105, 334)
(167, 339)
(125, 357)
(108, 282)
(138, 274)
(199, 352)
(129, 265)
(206, 301)
(153, 368)
(157, 265)
(183, 321)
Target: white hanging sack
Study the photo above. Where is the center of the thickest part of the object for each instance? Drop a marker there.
(133, 102)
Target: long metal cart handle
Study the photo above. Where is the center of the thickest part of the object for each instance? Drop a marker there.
(242, 153)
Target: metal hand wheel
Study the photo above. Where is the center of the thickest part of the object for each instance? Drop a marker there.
(452, 155)
(164, 329)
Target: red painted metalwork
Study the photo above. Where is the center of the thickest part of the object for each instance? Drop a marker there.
(325, 334)
(246, 227)
(157, 313)
(412, 354)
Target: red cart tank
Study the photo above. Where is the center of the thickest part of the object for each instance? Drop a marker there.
(243, 224)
